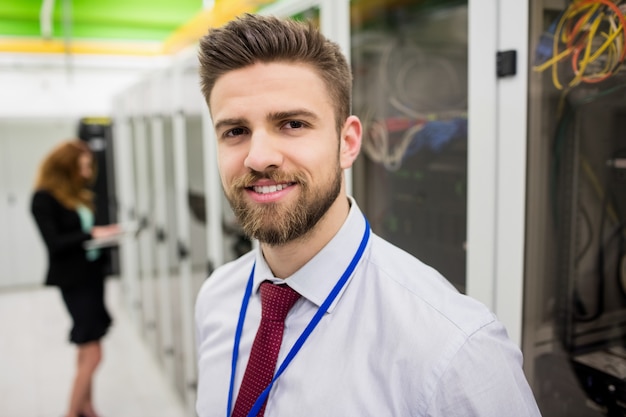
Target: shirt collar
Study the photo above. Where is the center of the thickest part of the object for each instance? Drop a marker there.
(315, 280)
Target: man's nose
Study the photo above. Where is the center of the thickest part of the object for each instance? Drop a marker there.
(264, 152)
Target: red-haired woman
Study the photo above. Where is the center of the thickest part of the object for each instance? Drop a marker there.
(63, 208)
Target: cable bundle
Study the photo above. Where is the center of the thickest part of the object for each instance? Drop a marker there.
(590, 36)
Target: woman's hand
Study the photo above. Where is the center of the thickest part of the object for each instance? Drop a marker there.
(105, 231)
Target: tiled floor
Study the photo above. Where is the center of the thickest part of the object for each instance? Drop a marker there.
(37, 362)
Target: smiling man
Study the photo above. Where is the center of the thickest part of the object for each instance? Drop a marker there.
(278, 191)
(325, 318)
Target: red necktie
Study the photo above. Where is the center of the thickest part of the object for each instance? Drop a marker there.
(276, 301)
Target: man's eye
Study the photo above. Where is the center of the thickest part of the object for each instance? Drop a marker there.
(235, 132)
(294, 124)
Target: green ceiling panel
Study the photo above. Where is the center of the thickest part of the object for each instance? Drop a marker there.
(152, 20)
(19, 28)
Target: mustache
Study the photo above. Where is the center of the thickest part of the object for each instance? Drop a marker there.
(250, 178)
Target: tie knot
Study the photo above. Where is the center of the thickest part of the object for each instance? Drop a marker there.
(277, 300)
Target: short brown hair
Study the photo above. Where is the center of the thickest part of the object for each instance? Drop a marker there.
(59, 174)
(252, 38)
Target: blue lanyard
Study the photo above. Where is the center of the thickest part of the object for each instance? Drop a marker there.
(305, 334)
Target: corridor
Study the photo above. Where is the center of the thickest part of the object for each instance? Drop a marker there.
(37, 361)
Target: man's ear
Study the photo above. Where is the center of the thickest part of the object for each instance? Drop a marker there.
(350, 141)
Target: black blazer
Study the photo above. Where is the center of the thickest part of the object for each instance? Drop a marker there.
(62, 233)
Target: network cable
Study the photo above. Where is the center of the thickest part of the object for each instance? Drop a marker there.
(588, 43)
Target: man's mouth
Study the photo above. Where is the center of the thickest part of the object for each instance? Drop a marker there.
(266, 189)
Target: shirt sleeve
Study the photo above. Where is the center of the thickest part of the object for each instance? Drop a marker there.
(485, 379)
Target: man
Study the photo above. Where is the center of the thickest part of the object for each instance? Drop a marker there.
(373, 331)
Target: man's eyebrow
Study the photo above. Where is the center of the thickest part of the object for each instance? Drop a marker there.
(282, 115)
(229, 122)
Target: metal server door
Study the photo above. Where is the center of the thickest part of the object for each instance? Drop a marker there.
(410, 66)
(575, 309)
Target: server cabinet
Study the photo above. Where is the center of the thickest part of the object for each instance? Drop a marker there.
(410, 68)
(97, 132)
(575, 309)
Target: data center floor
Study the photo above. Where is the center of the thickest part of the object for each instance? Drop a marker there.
(37, 362)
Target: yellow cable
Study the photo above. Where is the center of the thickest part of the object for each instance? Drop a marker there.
(587, 20)
(555, 48)
(606, 44)
(585, 61)
(609, 61)
(552, 61)
(613, 52)
(594, 8)
(559, 33)
(595, 183)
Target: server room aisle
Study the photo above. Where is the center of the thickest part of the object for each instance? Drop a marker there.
(37, 362)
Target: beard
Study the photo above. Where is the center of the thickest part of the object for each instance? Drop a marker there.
(277, 223)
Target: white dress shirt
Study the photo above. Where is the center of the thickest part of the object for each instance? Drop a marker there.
(399, 340)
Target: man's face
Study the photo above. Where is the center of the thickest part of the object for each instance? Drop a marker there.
(278, 149)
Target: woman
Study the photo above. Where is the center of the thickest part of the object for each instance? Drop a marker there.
(63, 208)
